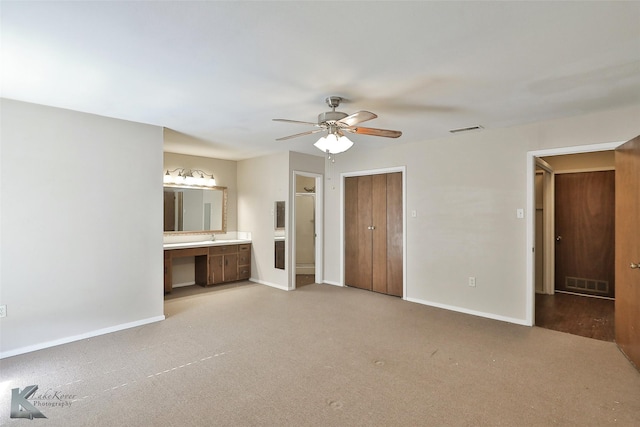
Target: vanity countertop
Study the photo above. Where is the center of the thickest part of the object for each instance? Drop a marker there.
(205, 243)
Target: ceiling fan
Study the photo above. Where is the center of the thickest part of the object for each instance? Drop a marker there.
(336, 123)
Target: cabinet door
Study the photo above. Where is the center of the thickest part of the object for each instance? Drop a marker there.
(216, 268)
(230, 267)
(168, 272)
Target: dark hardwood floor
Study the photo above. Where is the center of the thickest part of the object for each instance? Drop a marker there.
(576, 314)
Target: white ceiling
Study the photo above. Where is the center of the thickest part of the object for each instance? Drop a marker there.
(216, 73)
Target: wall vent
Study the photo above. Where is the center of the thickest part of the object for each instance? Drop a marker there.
(469, 129)
(587, 285)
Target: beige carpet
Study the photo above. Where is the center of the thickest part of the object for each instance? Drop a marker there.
(251, 355)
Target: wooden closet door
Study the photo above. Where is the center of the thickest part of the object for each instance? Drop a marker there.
(627, 310)
(357, 258)
(373, 233)
(378, 233)
(394, 234)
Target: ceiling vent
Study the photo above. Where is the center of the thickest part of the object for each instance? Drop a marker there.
(469, 129)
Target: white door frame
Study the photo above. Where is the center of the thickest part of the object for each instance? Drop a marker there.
(319, 230)
(548, 232)
(531, 218)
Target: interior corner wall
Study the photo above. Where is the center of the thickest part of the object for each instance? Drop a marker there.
(224, 171)
(261, 182)
(81, 226)
(465, 190)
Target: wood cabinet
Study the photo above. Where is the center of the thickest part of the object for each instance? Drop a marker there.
(213, 264)
(223, 264)
(373, 233)
(229, 263)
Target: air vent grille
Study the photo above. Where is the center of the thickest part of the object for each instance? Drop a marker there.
(467, 129)
(587, 285)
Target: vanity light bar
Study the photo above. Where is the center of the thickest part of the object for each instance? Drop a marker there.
(186, 177)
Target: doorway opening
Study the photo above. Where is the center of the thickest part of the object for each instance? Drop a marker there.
(307, 226)
(554, 307)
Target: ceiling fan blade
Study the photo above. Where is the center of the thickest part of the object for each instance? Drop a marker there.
(375, 132)
(295, 121)
(357, 117)
(300, 134)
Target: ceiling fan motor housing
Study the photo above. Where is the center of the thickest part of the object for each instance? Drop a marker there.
(331, 116)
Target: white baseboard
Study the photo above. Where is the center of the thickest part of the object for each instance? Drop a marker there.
(181, 285)
(517, 321)
(273, 285)
(328, 282)
(305, 269)
(86, 335)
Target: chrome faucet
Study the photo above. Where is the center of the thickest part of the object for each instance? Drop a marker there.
(213, 237)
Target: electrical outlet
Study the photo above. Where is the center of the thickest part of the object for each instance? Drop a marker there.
(472, 282)
(3, 310)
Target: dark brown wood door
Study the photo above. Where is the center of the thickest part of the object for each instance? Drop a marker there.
(627, 311)
(358, 246)
(230, 267)
(584, 226)
(394, 234)
(378, 233)
(373, 233)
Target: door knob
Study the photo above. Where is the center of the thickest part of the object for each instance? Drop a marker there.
(558, 238)
(635, 265)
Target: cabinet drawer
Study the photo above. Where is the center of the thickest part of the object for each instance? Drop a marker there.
(187, 252)
(244, 258)
(244, 248)
(221, 250)
(244, 272)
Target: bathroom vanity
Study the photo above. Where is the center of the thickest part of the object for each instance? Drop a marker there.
(215, 261)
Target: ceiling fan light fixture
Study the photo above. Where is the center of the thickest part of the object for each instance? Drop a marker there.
(333, 144)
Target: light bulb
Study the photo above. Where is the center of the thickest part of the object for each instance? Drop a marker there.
(168, 179)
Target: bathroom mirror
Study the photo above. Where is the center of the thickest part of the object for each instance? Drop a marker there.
(279, 217)
(279, 253)
(195, 210)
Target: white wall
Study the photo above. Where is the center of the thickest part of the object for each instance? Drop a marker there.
(261, 182)
(466, 189)
(81, 221)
